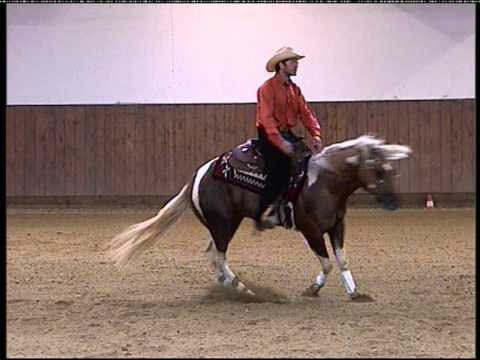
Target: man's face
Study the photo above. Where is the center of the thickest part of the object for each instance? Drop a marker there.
(290, 67)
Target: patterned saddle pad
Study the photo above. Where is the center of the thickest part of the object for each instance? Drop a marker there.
(243, 166)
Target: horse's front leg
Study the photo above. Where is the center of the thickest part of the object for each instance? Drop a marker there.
(316, 242)
(336, 237)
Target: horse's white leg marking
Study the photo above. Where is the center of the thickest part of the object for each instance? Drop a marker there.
(223, 275)
(348, 282)
(341, 258)
(198, 176)
(326, 264)
(346, 275)
(326, 268)
(211, 253)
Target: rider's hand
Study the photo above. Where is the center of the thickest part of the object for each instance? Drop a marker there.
(317, 144)
(288, 149)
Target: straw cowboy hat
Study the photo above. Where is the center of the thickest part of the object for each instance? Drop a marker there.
(282, 54)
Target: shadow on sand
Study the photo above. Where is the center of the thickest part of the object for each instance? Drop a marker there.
(218, 293)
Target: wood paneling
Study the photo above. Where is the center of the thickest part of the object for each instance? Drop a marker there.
(93, 126)
(154, 149)
(150, 150)
(139, 152)
(81, 152)
(446, 145)
(99, 150)
(108, 152)
(435, 144)
(468, 148)
(414, 142)
(456, 126)
(10, 152)
(403, 138)
(41, 166)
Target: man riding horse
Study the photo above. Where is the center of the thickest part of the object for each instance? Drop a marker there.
(218, 195)
(279, 105)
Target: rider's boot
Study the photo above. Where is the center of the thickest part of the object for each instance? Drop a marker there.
(266, 220)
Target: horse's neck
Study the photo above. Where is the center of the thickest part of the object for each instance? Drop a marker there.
(337, 169)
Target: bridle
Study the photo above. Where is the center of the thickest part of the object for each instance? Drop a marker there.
(372, 165)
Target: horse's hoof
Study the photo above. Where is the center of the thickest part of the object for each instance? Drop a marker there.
(312, 291)
(241, 287)
(357, 297)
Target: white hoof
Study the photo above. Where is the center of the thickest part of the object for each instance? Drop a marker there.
(240, 287)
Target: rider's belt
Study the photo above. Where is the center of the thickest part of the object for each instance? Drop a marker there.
(285, 131)
(287, 134)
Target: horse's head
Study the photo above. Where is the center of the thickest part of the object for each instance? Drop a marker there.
(375, 172)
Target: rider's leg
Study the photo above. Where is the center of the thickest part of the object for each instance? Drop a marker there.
(278, 174)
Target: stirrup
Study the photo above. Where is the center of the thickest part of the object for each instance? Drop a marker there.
(266, 221)
(269, 211)
(261, 225)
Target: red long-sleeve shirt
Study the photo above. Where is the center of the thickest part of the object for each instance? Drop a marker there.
(279, 105)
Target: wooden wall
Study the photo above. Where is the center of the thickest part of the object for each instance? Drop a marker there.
(154, 149)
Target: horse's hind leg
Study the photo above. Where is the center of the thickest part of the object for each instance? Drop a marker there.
(217, 249)
(336, 237)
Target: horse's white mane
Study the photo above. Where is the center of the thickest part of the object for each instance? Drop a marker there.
(320, 160)
(390, 151)
(359, 142)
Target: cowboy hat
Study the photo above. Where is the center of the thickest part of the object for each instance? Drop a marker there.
(282, 54)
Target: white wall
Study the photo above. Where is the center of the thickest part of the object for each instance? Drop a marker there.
(216, 53)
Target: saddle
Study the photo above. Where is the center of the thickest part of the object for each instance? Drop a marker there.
(243, 166)
(247, 156)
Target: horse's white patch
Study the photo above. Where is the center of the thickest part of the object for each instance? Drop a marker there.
(341, 258)
(312, 173)
(347, 280)
(223, 275)
(326, 264)
(218, 261)
(292, 212)
(198, 176)
(314, 167)
(320, 279)
(223, 268)
(354, 160)
(387, 167)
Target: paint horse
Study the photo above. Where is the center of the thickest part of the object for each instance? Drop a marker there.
(331, 176)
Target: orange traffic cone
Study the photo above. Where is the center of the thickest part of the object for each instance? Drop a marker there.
(429, 203)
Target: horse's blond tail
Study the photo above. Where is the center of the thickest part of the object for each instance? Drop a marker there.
(134, 240)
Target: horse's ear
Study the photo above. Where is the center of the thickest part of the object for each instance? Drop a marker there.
(353, 160)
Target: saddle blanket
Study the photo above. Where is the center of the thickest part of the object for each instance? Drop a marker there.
(254, 179)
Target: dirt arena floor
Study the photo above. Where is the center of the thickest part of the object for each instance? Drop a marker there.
(65, 300)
